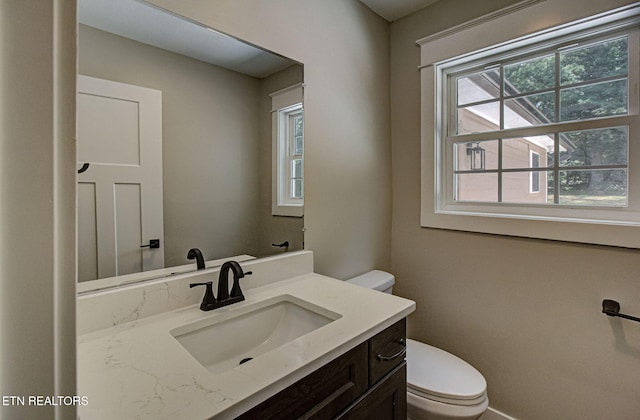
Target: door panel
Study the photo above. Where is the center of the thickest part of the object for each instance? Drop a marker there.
(128, 228)
(87, 224)
(109, 130)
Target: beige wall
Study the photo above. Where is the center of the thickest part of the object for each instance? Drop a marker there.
(345, 51)
(213, 154)
(37, 205)
(526, 313)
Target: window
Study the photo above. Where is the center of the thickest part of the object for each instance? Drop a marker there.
(562, 102)
(536, 131)
(288, 152)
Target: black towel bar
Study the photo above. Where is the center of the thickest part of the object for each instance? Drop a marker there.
(612, 308)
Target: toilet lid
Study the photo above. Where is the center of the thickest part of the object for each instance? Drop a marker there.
(434, 372)
(375, 279)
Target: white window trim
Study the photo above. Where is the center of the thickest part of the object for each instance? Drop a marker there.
(283, 102)
(519, 25)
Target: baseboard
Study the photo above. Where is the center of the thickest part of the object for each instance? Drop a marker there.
(492, 414)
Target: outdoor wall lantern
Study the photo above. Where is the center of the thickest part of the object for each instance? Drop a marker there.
(476, 155)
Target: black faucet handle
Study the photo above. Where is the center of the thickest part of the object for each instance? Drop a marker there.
(209, 300)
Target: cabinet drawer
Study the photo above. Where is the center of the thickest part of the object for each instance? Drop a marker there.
(387, 350)
(321, 394)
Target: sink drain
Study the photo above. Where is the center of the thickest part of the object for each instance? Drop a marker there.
(245, 360)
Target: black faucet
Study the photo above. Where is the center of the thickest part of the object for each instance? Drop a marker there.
(223, 281)
(209, 301)
(194, 253)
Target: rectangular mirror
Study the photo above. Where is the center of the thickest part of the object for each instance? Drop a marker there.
(174, 144)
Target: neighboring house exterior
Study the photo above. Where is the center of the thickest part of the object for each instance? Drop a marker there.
(481, 185)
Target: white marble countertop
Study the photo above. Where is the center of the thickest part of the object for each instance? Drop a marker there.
(139, 370)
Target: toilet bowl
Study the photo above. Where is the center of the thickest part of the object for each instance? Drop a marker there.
(440, 385)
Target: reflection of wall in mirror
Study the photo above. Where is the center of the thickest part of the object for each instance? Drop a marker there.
(216, 151)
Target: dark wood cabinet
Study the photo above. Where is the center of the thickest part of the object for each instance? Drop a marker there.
(386, 400)
(369, 381)
(321, 394)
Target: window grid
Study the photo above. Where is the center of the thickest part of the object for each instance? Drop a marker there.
(553, 129)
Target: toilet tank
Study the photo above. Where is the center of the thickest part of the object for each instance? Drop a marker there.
(375, 279)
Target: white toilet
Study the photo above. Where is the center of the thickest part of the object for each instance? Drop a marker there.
(439, 385)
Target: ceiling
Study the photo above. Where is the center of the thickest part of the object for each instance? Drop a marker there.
(395, 9)
(150, 25)
(153, 26)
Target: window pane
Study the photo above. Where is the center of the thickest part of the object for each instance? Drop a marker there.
(478, 87)
(525, 187)
(477, 155)
(296, 188)
(529, 110)
(530, 76)
(298, 145)
(516, 152)
(477, 187)
(298, 138)
(298, 125)
(296, 168)
(479, 118)
(594, 187)
(594, 62)
(605, 146)
(594, 101)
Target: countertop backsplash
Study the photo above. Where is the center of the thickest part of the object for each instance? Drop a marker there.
(108, 308)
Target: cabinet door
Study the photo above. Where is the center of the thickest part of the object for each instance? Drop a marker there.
(387, 400)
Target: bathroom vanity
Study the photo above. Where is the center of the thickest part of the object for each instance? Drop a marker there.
(369, 381)
(301, 344)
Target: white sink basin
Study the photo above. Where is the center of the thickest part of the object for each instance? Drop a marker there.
(223, 341)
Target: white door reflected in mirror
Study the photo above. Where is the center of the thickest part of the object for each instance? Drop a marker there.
(120, 193)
